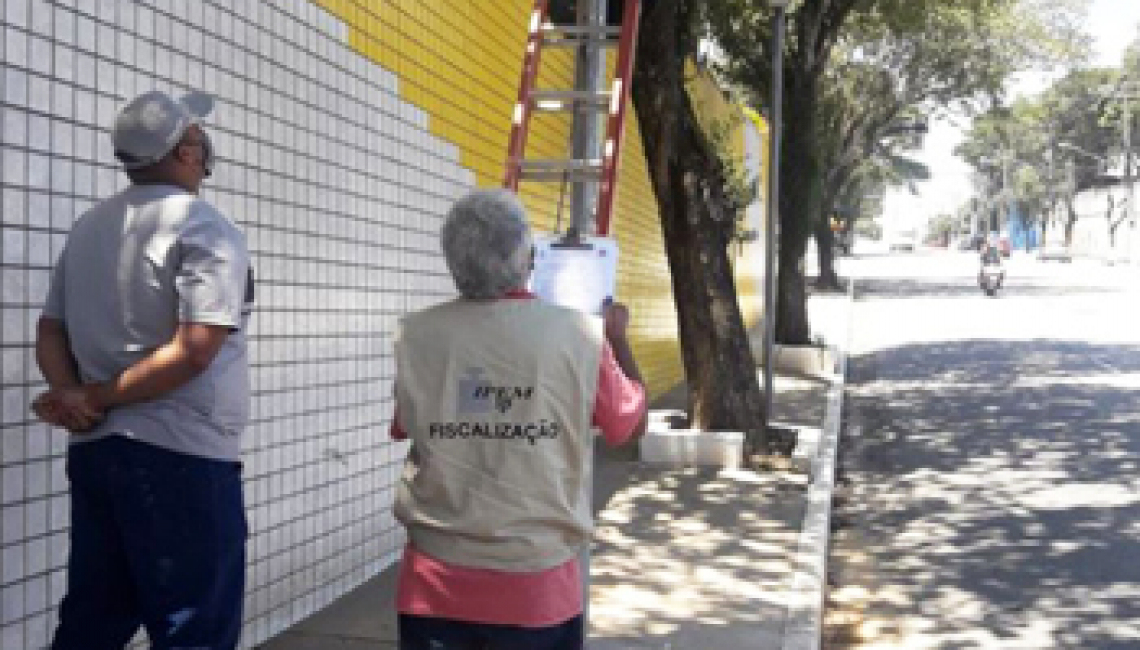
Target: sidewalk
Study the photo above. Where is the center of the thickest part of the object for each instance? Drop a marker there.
(684, 558)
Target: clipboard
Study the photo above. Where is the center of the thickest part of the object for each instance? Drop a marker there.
(580, 273)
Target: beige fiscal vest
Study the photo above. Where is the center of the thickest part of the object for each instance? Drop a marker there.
(497, 398)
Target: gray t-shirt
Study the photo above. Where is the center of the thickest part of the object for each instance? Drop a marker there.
(134, 267)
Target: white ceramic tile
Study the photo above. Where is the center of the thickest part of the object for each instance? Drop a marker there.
(64, 29)
(15, 86)
(40, 55)
(37, 479)
(12, 476)
(15, 206)
(15, 47)
(61, 173)
(12, 563)
(105, 40)
(39, 165)
(12, 599)
(35, 517)
(85, 33)
(83, 178)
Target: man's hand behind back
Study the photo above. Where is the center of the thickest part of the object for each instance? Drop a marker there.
(72, 408)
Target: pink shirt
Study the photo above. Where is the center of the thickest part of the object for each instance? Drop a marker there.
(431, 587)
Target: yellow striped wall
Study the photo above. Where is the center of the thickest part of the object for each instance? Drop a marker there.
(747, 133)
(460, 61)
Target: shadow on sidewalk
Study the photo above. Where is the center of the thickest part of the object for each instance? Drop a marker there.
(691, 558)
(697, 557)
(683, 558)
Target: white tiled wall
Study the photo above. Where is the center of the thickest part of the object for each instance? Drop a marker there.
(340, 189)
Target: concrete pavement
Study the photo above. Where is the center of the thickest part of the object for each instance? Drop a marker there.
(683, 557)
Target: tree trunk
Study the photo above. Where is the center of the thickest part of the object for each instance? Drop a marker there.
(1112, 205)
(825, 252)
(1070, 220)
(800, 200)
(689, 183)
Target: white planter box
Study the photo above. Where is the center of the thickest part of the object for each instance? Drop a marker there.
(803, 360)
(687, 447)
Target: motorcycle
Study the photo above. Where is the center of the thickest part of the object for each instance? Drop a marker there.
(990, 278)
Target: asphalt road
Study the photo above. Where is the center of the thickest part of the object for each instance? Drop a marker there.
(989, 486)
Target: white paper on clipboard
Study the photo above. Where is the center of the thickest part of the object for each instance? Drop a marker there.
(581, 277)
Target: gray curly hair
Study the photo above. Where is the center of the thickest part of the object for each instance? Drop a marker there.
(487, 244)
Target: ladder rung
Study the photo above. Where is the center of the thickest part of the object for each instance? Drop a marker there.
(575, 42)
(564, 100)
(556, 170)
(574, 35)
(579, 31)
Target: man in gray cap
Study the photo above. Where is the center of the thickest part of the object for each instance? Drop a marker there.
(142, 343)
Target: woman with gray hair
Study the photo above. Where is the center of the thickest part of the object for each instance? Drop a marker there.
(498, 392)
(487, 244)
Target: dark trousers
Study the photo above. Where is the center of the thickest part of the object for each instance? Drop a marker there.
(157, 540)
(426, 633)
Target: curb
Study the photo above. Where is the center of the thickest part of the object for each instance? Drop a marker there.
(803, 626)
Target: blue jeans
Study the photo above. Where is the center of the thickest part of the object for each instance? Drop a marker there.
(158, 540)
(426, 633)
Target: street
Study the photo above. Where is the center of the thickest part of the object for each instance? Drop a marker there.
(988, 487)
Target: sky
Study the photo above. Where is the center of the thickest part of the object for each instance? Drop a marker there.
(1113, 25)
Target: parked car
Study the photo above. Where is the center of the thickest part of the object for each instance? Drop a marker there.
(1054, 252)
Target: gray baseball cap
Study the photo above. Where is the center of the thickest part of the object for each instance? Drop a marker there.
(149, 126)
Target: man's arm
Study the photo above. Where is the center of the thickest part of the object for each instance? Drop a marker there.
(79, 407)
(57, 365)
(186, 356)
(53, 354)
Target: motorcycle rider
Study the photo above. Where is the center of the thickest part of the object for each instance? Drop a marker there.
(991, 260)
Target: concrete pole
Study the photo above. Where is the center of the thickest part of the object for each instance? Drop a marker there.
(1129, 212)
(589, 75)
(1006, 195)
(775, 130)
(1071, 189)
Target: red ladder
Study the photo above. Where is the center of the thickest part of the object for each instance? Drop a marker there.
(603, 170)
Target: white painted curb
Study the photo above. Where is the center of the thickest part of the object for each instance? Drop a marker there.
(803, 626)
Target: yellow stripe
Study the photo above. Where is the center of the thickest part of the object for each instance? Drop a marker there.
(460, 61)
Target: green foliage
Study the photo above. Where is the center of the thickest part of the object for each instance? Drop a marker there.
(891, 63)
(942, 226)
(1043, 149)
(741, 188)
(857, 69)
(868, 229)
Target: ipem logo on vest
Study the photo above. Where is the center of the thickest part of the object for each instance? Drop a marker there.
(478, 396)
(468, 396)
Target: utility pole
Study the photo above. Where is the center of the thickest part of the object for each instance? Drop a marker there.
(1126, 92)
(1071, 188)
(589, 76)
(1006, 195)
(1049, 181)
(776, 125)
